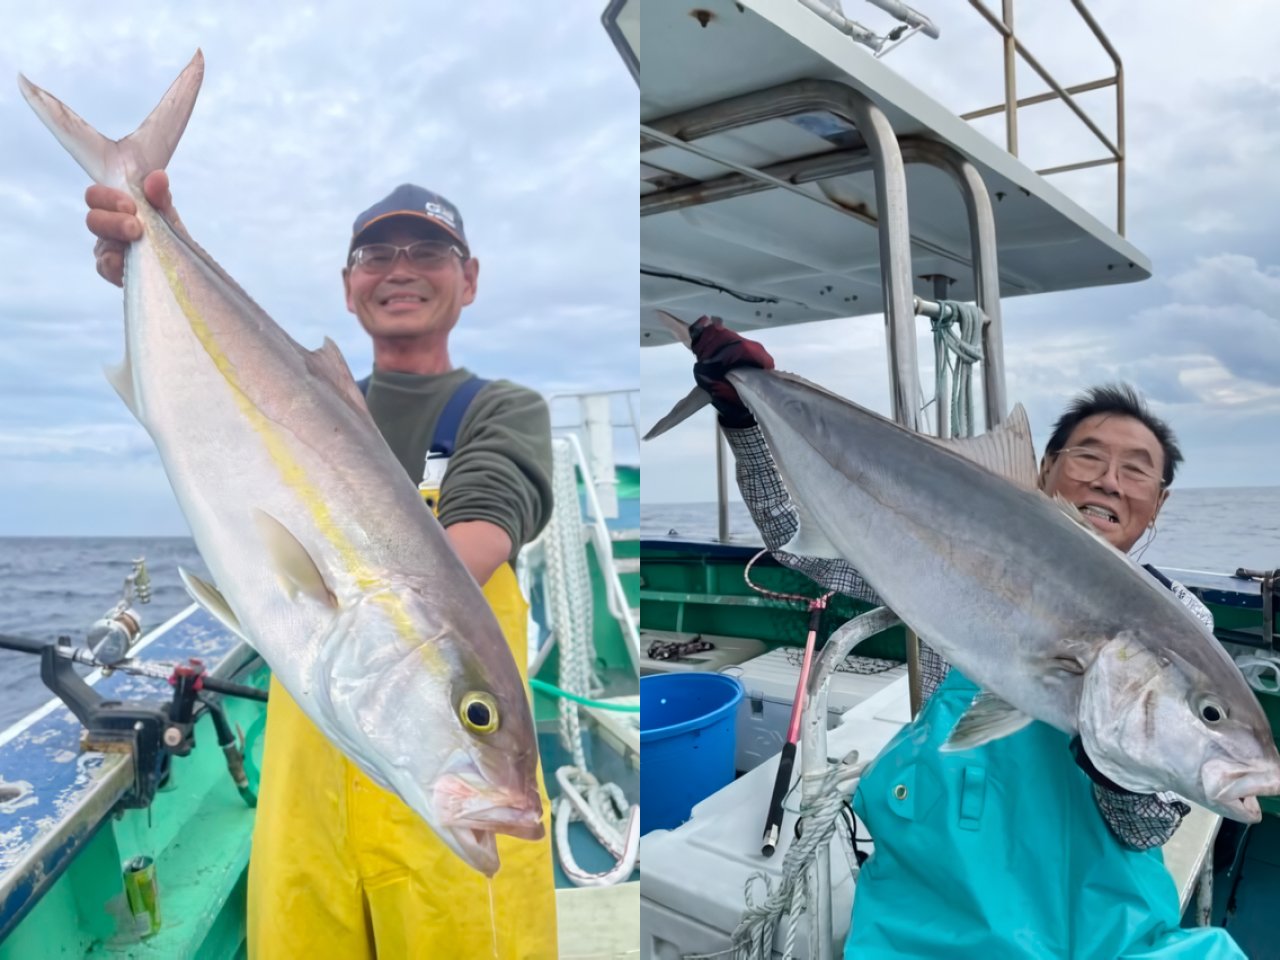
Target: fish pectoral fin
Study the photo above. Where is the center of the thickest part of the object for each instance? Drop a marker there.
(293, 564)
(988, 718)
(120, 376)
(809, 540)
(693, 401)
(1006, 449)
(211, 598)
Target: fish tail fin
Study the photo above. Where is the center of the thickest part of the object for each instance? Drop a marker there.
(676, 327)
(693, 401)
(121, 163)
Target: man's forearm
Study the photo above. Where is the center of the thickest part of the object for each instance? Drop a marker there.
(482, 546)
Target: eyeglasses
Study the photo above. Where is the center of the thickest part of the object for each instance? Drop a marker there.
(1087, 464)
(422, 255)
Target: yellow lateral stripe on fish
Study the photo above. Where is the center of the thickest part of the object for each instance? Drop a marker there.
(290, 471)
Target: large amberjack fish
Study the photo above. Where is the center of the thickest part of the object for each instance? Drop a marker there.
(324, 555)
(1015, 590)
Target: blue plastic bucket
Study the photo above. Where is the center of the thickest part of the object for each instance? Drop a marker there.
(687, 729)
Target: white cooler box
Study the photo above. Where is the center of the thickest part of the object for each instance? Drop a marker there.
(769, 683)
(691, 897)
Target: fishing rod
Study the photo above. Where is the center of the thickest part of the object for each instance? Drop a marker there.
(786, 763)
(155, 669)
(781, 783)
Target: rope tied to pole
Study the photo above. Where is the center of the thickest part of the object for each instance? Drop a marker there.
(954, 357)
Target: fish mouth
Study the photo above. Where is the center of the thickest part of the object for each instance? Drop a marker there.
(1238, 791)
(464, 806)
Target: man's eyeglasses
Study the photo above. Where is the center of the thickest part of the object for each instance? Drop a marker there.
(1087, 464)
(422, 255)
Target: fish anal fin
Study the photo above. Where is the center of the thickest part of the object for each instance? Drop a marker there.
(211, 598)
(1006, 449)
(987, 718)
(293, 565)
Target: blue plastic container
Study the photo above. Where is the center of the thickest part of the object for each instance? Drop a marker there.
(687, 729)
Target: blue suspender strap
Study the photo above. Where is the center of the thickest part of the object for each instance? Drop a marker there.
(455, 408)
(446, 435)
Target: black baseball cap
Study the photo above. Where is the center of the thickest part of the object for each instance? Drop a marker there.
(409, 200)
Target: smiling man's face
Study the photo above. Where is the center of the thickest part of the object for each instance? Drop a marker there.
(410, 301)
(1119, 503)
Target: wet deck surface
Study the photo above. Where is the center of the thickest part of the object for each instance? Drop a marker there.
(1246, 884)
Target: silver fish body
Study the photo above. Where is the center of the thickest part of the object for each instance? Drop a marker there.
(1021, 597)
(323, 553)
(1042, 613)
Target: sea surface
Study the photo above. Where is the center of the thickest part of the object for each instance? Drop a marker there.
(1213, 529)
(51, 587)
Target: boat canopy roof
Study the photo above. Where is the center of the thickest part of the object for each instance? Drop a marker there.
(717, 238)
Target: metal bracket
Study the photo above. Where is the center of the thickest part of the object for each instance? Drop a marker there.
(142, 728)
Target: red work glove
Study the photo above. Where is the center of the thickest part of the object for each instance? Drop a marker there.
(719, 350)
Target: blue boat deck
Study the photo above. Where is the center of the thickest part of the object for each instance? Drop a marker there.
(62, 795)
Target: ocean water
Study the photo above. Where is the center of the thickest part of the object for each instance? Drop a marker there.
(59, 586)
(1213, 529)
(52, 587)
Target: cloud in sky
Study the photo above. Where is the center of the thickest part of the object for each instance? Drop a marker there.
(524, 118)
(1201, 339)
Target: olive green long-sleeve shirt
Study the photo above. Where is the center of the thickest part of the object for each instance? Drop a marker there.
(500, 470)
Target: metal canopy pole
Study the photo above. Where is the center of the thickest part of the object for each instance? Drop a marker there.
(986, 273)
(722, 487)
(802, 96)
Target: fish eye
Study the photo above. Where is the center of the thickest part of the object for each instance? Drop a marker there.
(1211, 711)
(478, 712)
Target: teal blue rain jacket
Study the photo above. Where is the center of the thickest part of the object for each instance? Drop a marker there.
(1000, 852)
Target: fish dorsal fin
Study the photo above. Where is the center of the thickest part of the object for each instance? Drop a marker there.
(987, 718)
(211, 598)
(328, 364)
(1006, 449)
(292, 564)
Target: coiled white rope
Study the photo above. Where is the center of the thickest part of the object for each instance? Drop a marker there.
(790, 897)
(602, 807)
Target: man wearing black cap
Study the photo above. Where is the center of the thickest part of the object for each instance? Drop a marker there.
(340, 867)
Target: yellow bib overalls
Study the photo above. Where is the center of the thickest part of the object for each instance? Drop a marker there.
(342, 869)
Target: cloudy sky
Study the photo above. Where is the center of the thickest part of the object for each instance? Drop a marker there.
(1201, 338)
(309, 113)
